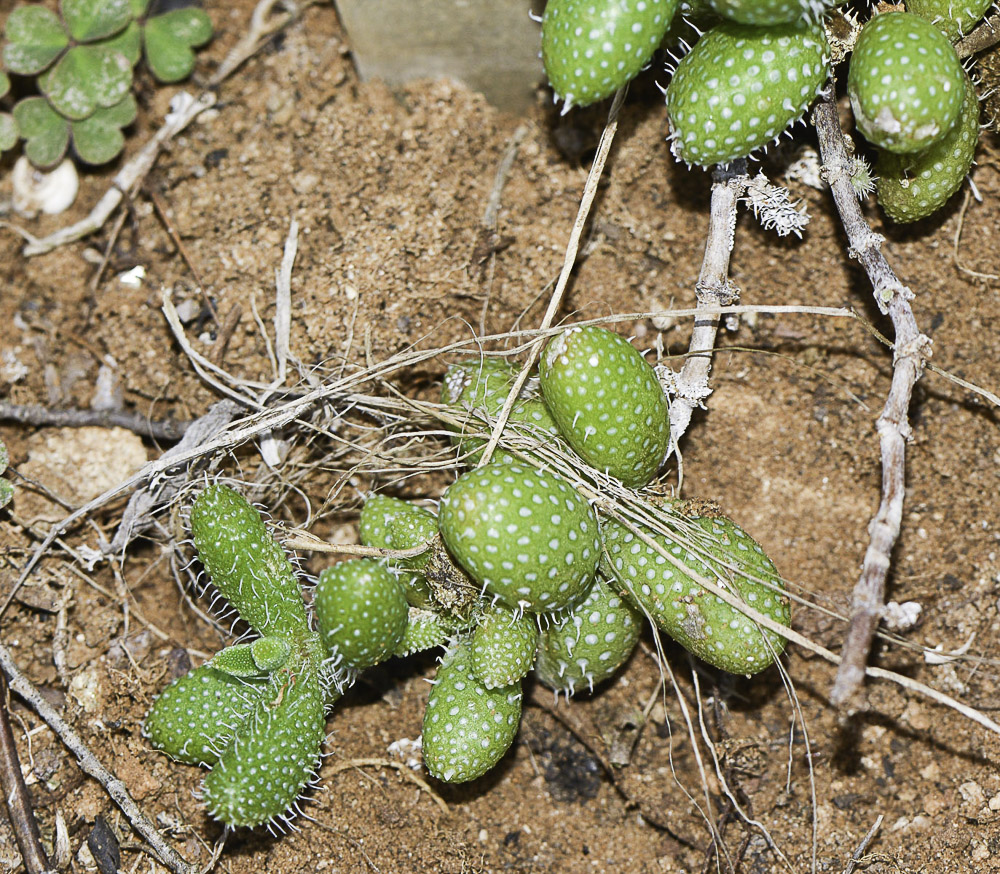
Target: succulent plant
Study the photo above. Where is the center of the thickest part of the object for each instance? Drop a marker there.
(769, 12)
(467, 727)
(503, 646)
(905, 82)
(591, 48)
(911, 187)
(588, 645)
(954, 18)
(698, 620)
(479, 387)
(390, 523)
(525, 535)
(361, 612)
(83, 59)
(256, 711)
(606, 402)
(741, 87)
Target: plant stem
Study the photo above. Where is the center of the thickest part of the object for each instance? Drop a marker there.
(911, 349)
(713, 289)
(983, 37)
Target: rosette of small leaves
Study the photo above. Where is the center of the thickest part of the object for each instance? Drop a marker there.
(83, 60)
(255, 711)
(6, 489)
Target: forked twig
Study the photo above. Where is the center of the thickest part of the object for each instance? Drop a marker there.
(911, 349)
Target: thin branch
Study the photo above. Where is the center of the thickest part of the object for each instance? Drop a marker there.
(91, 766)
(713, 289)
(19, 809)
(911, 349)
(39, 415)
(983, 37)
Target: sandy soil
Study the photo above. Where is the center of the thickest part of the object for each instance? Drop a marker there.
(389, 193)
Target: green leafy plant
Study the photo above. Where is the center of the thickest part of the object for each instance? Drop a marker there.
(82, 60)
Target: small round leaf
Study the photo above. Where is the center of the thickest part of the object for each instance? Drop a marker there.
(98, 139)
(8, 136)
(128, 43)
(169, 39)
(86, 77)
(46, 132)
(90, 20)
(36, 37)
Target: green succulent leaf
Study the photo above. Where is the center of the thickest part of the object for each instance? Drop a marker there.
(394, 524)
(99, 138)
(270, 653)
(236, 660)
(90, 20)
(36, 37)
(4, 456)
(425, 630)
(4, 83)
(503, 646)
(6, 493)
(361, 612)
(194, 718)
(273, 755)
(246, 564)
(128, 43)
(169, 40)
(467, 727)
(588, 645)
(84, 79)
(46, 132)
(8, 132)
(138, 7)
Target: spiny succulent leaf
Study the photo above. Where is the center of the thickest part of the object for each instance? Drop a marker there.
(905, 83)
(236, 660)
(526, 535)
(699, 621)
(86, 78)
(591, 48)
(169, 39)
(770, 12)
(740, 87)
(90, 20)
(954, 18)
(273, 755)
(390, 523)
(194, 718)
(590, 644)
(467, 727)
(425, 629)
(912, 187)
(503, 646)
(361, 612)
(46, 132)
(246, 564)
(270, 653)
(607, 403)
(99, 138)
(36, 37)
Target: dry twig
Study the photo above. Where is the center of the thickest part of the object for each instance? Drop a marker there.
(910, 352)
(91, 766)
(19, 809)
(41, 416)
(713, 289)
